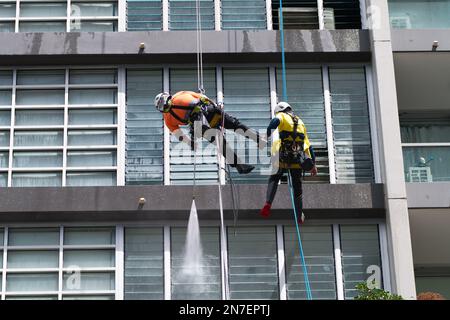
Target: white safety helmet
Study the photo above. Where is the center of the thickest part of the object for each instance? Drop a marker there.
(282, 106)
(161, 101)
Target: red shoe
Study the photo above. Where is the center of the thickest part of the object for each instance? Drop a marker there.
(265, 211)
(301, 218)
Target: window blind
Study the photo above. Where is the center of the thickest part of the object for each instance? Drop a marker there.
(144, 15)
(183, 14)
(244, 15)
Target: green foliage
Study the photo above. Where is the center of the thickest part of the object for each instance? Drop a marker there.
(365, 293)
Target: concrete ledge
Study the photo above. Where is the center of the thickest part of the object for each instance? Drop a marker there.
(322, 201)
(420, 39)
(428, 195)
(180, 46)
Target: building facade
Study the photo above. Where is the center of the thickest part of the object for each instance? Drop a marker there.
(81, 143)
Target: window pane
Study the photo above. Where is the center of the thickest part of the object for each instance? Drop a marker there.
(91, 179)
(94, 26)
(89, 258)
(92, 76)
(5, 97)
(92, 137)
(182, 14)
(39, 117)
(421, 128)
(33, 236)
(144, 15)
(207, 284)
(6, 26)
(89, 117)
(32, 282)
(40, 77)
(419, 14)
(54, 9)
(6, 78)
(36, 180)
(3, 179)
(318, 249)
(144, 129)
(38, 138)
(2, 238)
(7, 10)
(89, 281)
(89, 236)
(5, 118)
(4, 159)
(426, 164)
(40, 97)
(85, 297)
(99, 9)
(4, 138)
(144, 263)
(92, 96)
(91, 158)
(33, 259)
(241, 15)
(42, 26)
(360, 250)
(37, 159)
(253, 263)
(31, 297)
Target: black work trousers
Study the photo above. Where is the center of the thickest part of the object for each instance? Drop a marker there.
(272, 187)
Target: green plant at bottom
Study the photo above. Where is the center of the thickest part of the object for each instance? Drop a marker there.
(365, 293)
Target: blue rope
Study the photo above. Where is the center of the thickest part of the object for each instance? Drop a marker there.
(283, 54)
(302, 256)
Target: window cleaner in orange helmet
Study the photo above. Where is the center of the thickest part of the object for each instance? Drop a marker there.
(294, 153)
(185, 107)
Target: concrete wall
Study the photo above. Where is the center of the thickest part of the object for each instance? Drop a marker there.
(420, 40)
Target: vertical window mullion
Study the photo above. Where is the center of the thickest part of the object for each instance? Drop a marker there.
(320, 14)
(385, 269)
(219, 85)
(122, 10)
(16, 26)
(11, 129)
(165, 10)
(338, 262)
(121, 115)
(281, 263)
(224, 265)
(273, 97)
(167, 265)
(269, 14)
(218, 15)
(5, 258)
(329, 124)
(119, 256)
(66, 123)
(362, 8)
(166, 88)
(69, 14)
(61, 262)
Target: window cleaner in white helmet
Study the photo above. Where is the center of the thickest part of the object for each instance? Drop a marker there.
(292, 152)
(186, 107)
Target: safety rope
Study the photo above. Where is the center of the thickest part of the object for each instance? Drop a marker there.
(285, 98)
(201, 89)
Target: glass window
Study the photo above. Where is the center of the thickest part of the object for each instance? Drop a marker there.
(47, 26)
(205, 284)
(91, 179)
(2, 238)
(39, 97)
(6, 26)
(360, 255)
(91, 158)
(242, 15)
(420, 128)
(3, 179)
(89, 258)
(4, 159)
(87, 297)
(144, 264)
(318, 250)
(31, 282)
(426, 164)
(90, 117)
(40, 77)
(144, 129)
(89, 236)
(89, 281)
(92, 137)
(39, 117)
(38, 138)
(183, 14)
(33, 237)
(31, 297)
(252, 259)
(32, 259)
(4, 138)
(92, 96)
(419, 14)
(351, 126)
(95, 26)
(7, 10)
(94, 9)
(5, 97)
(144, 15)
(37, 159)
(6, 78)
(5, 118)
(48, 179)
(92, 76)
(43, 9)
(433, 283)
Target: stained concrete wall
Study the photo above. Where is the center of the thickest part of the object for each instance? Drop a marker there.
(322, 201)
